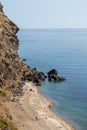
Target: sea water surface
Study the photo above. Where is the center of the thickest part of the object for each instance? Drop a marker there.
(66, 51)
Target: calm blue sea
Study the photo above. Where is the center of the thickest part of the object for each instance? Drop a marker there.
(66, 51)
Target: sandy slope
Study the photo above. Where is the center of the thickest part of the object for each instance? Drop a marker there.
(31, 111)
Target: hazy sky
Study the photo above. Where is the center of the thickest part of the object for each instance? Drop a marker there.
(47, 13)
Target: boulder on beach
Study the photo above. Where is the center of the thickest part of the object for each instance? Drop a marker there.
(36, 76)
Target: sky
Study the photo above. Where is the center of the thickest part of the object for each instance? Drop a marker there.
(47, 13)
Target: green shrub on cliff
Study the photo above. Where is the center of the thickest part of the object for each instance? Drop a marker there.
(5, 125)
(2, 93)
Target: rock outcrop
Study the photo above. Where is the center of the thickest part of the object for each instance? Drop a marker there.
(53, 76)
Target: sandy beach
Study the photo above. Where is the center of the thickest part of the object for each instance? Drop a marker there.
(32, 111)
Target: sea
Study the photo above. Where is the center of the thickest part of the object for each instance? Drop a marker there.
(66, 51)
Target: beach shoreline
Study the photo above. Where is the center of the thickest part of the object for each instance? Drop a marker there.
(32, 111)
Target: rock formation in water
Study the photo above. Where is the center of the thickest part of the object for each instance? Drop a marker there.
(13, 71)
(53, 76)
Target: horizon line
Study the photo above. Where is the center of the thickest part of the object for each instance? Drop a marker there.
(50, 28)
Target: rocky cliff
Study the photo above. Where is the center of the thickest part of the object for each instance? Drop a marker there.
(13, 71)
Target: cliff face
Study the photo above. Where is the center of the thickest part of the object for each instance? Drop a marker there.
(13, 71)
(8, 50)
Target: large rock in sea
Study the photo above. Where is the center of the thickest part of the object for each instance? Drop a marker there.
(53, 76)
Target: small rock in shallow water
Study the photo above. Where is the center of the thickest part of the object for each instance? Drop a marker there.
(24, 59)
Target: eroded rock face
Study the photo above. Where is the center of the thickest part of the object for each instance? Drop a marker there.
(12, 70)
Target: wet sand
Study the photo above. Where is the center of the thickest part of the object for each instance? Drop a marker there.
(32, 111)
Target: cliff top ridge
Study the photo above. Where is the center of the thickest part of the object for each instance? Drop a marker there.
(1, 7)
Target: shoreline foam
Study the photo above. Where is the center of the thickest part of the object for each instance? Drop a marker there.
(32, 111)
